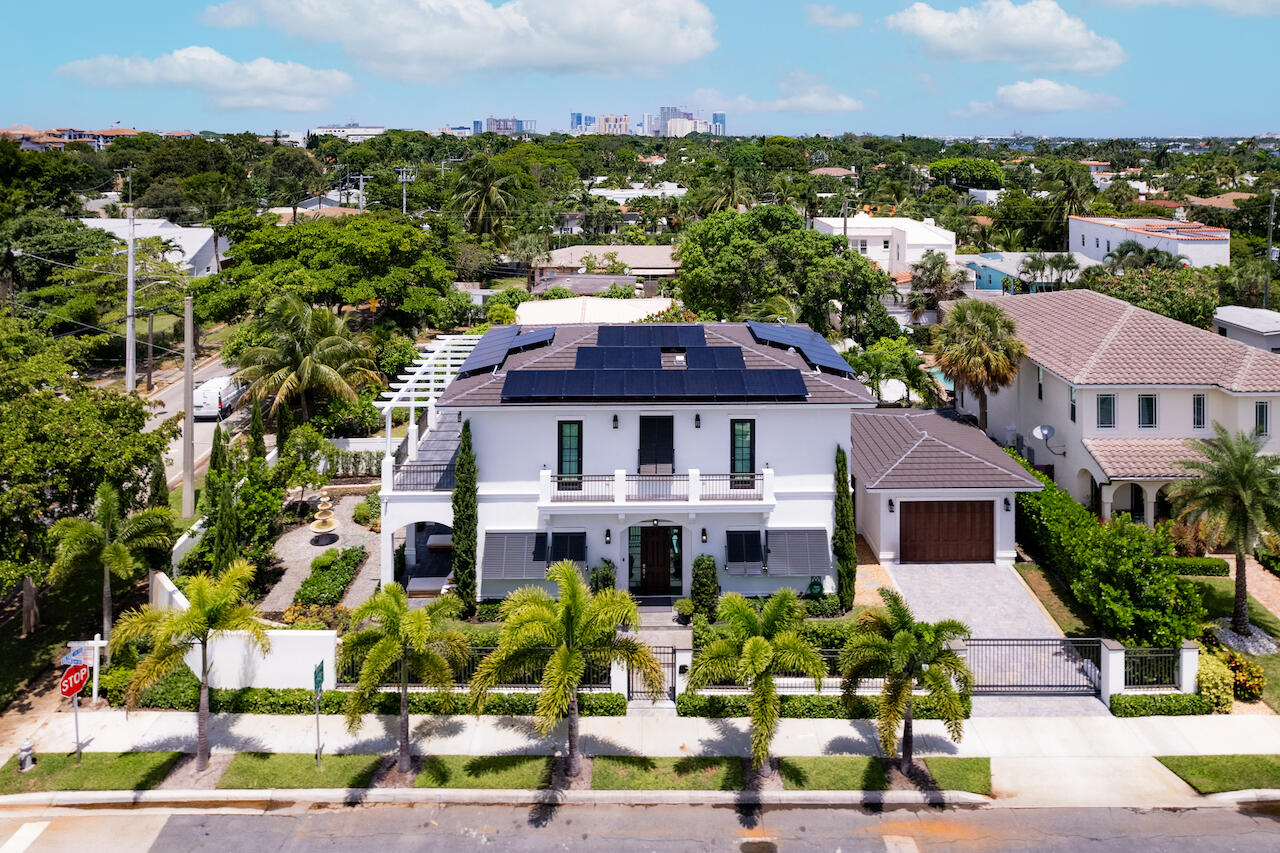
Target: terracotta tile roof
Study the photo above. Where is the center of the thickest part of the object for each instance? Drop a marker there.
(1168, 228)
(1164, 202)
(1225, 201)
(922, 449)
(1089, 338)
(1140, 458)
(485, 389)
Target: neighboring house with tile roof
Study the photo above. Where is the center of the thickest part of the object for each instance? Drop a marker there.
(928, 488)
(1199, 244)
(640, 261)
(1124, 390)
(643, 445)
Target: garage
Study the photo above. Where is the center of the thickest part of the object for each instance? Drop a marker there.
(946, 531)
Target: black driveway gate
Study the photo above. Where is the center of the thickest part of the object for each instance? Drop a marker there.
(1061, 667)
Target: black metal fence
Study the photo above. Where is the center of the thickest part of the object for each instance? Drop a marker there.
(1151, 669)
(1035, 666)
(425, 477)
(666, 656)
(596, 676)
(732, 487)
(570, 488)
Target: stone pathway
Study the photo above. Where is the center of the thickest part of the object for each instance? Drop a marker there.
(295, 552)
(871, 576)
(1263, 585)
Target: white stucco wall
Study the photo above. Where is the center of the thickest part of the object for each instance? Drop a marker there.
(1096, 239)
(880, 527)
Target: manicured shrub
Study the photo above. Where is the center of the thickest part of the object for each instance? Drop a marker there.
(1250, 680)
(704, 586)
(844, 536)
(1197, 566)
(488, 611)
(1215, 682)
(809, 706)
(684, 608)
(327, 585)
(603, 576)
(1160, 705)
(465, 515)
(823, 606)
(312, 615)
(325, 560)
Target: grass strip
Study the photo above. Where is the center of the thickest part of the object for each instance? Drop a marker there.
(1056, 597)
(294, 770)
(689, 773)
(97, 771)
(1213, 774)
(833, 773)
(961, 774)
(484, 771)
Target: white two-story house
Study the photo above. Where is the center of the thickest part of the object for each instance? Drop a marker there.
(642, 445)
(893, 242)
(1123, 390)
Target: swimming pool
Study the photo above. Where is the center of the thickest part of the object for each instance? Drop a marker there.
(936, 373)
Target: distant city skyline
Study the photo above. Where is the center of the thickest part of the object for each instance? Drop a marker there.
(1091, 68)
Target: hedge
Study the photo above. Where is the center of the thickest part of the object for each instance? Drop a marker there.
(1215, 682)
(1198, 566)
(327, 584)
(1160, 705)
(823, 633)
(181, 692)
(810, 707)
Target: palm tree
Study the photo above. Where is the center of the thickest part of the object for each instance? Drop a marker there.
(730, 192)
(395, 642)
(759, 646)
(977, 348)
(1064, 267)
(110, 543)
(562, 636)
(890, 644)
(1032, 268)
(216, 606)
(1009, 239)
(774, 309)
(935, 277)
(530, 250)
(309, 350)
(1236, 489)
(483, 196)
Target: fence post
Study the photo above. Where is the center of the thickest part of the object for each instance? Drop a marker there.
(1111, 670)
(618, 678)
(684, 660)
(1188, 666)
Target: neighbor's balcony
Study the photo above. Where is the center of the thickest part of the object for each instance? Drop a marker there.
(622, 487)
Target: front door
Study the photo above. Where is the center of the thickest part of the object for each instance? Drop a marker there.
(657, 446)
(655, 561)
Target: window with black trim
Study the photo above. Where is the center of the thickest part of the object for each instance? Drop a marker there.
(1039, 383)
(742, 453)
(1197, 411)
(569, 546)
(1071, 404)
(569, 456)
(1262, 417)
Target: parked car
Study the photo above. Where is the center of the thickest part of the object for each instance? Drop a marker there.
(217, 397)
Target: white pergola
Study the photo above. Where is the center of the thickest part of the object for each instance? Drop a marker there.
(423, 385)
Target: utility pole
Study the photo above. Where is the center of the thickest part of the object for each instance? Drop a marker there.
(844, 217)
(151, 328)
(131, 343)
(1271, 261)
(405, 175)
(188, 410)
(361, 179)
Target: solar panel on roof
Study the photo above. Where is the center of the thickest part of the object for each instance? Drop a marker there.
(669, 384)
(580, 384)
(537, 337)
(715, 358)
(666, 337)
(518, 384)
(731, 384)
(635, 385)
(811, 345)
(490, 351)
(638, 383)
(700, 384)
(789, 383)
(618, 358)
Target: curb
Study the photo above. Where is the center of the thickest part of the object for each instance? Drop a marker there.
(276, 797)
(1250, 795)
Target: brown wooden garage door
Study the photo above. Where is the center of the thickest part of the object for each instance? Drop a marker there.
(946, 531)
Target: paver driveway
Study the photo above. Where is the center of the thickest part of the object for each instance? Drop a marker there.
(991, 600)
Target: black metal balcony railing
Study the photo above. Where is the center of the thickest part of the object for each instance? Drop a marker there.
(570, 488)
(657, 487)
(732, 487)
(425, 477)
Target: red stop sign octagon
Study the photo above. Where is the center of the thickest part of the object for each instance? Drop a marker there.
(74, 680)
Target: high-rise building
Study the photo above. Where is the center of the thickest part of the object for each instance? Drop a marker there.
(526, 125)
(575, 122)
(615, 125)
(649, 125)
(717, 124)
(509, 126)
(477, 127)
(685, 125)
(666, 114)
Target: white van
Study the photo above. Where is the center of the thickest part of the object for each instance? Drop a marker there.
(217, 397)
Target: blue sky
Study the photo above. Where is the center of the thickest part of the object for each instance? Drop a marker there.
(1079, 67)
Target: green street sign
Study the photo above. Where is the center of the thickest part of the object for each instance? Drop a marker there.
(319, 677)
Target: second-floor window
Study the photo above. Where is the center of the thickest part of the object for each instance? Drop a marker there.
(1262, 417)
(1197, 411)
(1071, 404)
(1146, 411)
(1106, 410)
(859, 246)
(1039, 383)
(742, 452)
(569, 455)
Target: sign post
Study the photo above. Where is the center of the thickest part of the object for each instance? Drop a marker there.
(319, 678)
(73, 681)
(87, 652)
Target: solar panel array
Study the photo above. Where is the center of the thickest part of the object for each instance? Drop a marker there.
(498, 343)
(663, 337)
(809, 343)
(618, 358)
(644, 384)
(715, 358)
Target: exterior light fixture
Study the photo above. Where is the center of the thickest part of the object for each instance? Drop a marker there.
(608, 536)
(615, 421)
(890, 504)
(704, 536)
(697, 421)
(655, 522)
(1007, 506)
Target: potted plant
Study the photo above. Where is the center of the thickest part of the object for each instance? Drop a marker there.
(684, 610)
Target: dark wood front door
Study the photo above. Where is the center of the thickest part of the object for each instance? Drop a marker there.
(655, 561)
(657, 446)
(946, 531)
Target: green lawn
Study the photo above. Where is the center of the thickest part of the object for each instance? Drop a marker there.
(491, 771)
(518, 281)
(182, 525)
(961, 774)
(692, 773)
(221, 335)
(1212, 774)
(292, 770)
(97, 771)
(833, 773)
(1056, 597)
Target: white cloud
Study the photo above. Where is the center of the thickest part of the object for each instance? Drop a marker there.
(830, 17)
(260, 83)
(1244, 8)
(1036, 35)
(798, 92)
(435, 40)
(1039, 96)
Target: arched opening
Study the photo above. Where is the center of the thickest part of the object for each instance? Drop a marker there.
(423, 554)
(1089, 491)
(1164, 509)
(1137, 503)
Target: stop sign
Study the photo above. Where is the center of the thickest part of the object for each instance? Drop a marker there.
(74, 680)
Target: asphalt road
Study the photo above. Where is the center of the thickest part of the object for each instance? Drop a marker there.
(623, 829)
(170, 400)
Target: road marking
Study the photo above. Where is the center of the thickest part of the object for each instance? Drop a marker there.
(24, 837)
(900, 844)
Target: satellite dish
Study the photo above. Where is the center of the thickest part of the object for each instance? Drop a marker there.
(1044, 432)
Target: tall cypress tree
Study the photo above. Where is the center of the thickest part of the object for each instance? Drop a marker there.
(844, 538)
(158, 493)
(218, 452)
(257, 435)
(465, 521)
(284, 424)
(225, 530)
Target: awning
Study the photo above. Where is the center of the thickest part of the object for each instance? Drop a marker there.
(797, 553)
(514, 556)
